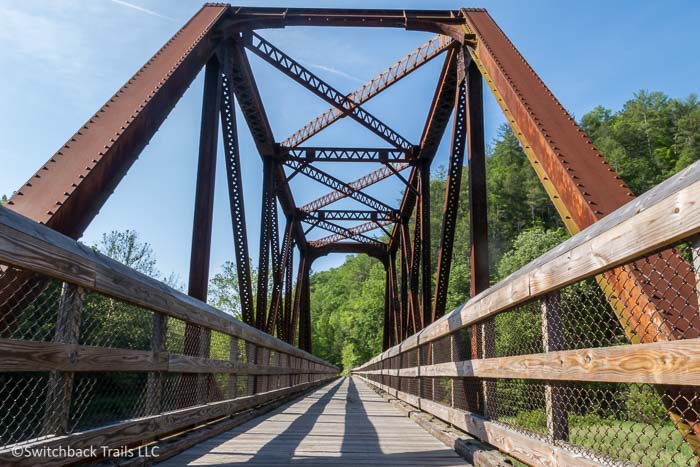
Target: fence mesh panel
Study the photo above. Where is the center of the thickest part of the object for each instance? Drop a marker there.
(38, 405)
(652, 299)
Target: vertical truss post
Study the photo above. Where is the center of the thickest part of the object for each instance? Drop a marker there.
(482, 334)
(405, 268)
(426, 265)
(395, 305)
(303, 311)
(386, 328)
(206, 176)
(279, 263)
(265, 232)
(288, 296)
(295, 332)
(197, 339)
(235, 188)
(451, 204)
(478, 225)
(414, 276)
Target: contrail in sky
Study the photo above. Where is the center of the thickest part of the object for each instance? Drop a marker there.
(142, 10)
(336, 72)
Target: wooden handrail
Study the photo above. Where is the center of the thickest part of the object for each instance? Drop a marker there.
(35, 247)
(672, 362)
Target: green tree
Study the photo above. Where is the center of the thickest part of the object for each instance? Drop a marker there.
(224, 291)
(3, 200)
(516, 199)
(127, 248)
(110, 322)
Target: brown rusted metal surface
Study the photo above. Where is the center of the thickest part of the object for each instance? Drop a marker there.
(478, 224)
(206, 177)
(451, 202)
(582, 184)
(584, 189)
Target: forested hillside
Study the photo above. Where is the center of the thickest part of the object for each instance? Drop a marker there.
(649, 139)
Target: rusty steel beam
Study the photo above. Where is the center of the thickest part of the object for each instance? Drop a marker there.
(349, 215)
(478, 213)
(195, 337)
(266, 227)
(582, 185)
(338, 185)
(584, 188)
(436, 123)
(325, 154)
(342, 233)
(286, 321)
(362, 182)
(450, 205)
(250, 102)
(386, 326)
(302, 310)
(206, 177)
(425, 253)
(391, 327)
(316, 85)
(286, 310)
(278, 273)
(348, 248)
(400, 69)
(448, 22)
(351, 233)
(403, 291)
(236, 204)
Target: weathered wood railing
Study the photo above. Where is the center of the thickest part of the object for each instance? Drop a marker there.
(95, 354)
(545, 365)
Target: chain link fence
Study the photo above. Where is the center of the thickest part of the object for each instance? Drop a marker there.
(169, 365)
(650, 300)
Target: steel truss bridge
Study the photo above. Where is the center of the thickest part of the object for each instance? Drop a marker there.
(93, 353)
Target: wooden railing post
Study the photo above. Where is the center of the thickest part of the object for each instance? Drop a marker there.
(204, 379)
(232, 380)
(695, 251)
(454, 356)
(60, 387)
(250, 353)
(488, 350)
(263, 359)
(154, 389)
(553, 340)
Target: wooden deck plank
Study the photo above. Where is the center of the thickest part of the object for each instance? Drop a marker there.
(343, 423)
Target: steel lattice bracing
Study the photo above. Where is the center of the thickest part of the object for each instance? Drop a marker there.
(69, 190)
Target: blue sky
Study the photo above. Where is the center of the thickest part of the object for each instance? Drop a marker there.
(62, 60)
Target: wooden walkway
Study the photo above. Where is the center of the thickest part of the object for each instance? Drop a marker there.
(342, 423)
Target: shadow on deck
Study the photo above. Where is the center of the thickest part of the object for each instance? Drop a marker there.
(342, 423)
